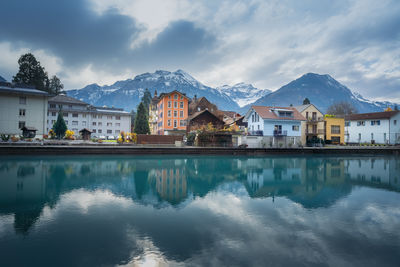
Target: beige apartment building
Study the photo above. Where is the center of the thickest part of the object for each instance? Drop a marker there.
(314, 125)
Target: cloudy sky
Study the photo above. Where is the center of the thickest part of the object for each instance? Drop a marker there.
(264, 42)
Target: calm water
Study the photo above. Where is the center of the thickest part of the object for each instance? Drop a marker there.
(211, 211)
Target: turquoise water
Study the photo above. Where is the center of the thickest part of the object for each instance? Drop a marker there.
(199, 211)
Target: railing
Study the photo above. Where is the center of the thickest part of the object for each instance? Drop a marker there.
(280, 133)
(256, 133)
(315, 119)
(311, 132)
(321, 131)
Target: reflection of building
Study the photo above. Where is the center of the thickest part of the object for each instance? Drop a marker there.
(171, 184)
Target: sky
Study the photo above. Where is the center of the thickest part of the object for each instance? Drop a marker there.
(267, 43)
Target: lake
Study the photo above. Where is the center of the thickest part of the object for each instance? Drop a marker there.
(200, 211)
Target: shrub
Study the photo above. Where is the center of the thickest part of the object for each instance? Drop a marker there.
(69, 135)
(45, 136)
(5, 137)
(52, 134)
(14, 139)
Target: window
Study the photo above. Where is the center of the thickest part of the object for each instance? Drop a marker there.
(52, 105)
(198, 108)
(252, 118)
(169, 97)
(169, 122)
(53, 121)
(258, 127)
(54, 114)
(100, 131)
(169, 104)
(395, 122)
(65, 114)
(372, 136)
(99, 116)
(335, 129)
(21, 124)
(175, 113)
(360, 123)
(181, 104)
(295, 128)
(22, 112)
(70, 106)
(83, 115)
(175, 124)
(175, 104)
(306, 114)
(60, 106)
(378, 122)
(169, 113)
(94, 123)
(74, 123)
(175, 96)
(285, 113)
(359, 137)
(181, 97)
(117, 131)
(182, 123)
(109, 117)
(75, 130)
(117, 124)
(109, 124)
(83, 123)
(99, 123)
(181, 113)
(109, 131)
(22, 100)
(94, 116)
(74, 115)
(66, 122)
(347, 123)
(118, 117)
(94, 130)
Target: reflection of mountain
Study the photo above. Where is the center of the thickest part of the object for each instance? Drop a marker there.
(27, 186)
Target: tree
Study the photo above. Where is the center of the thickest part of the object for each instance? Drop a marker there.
(142, 121)
(341, 108)
(55, 85)
(31, 73)
(59, 126)
(146, 99)
(306, 101)
(396, 107)
(133, 116)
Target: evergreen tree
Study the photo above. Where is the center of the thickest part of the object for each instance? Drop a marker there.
(306, 101)
(31, 73)
(146, 99)
(396, 107)
(55, 86)
(59, 126)
(142, 121)
(133, 116)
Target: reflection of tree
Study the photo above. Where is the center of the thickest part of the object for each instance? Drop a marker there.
(141, 183)
(26, 217)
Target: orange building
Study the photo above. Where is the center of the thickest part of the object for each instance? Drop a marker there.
(172, 110)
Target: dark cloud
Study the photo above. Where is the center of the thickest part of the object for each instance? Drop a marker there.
(69, 29)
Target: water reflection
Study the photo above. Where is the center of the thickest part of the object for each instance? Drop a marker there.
(175, 207)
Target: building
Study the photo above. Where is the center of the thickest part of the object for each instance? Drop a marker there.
(377, 127)
(153, 115)
(20, 107)
(273, 126)
(229, 117)
(334, 130)
(102, 121)
(172, 113)
(202, 103)
(201, 119)
(314, 126)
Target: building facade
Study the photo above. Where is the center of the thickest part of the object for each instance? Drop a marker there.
(376, 128)
(153, 114)
(334, 130)
(172, 113)
(314, 126)
(278, 126)
(104, 122)
(21, 107)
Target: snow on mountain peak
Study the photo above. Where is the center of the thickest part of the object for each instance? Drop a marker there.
(243, 93)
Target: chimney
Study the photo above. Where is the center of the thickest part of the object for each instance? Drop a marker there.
(195, 98)
(155, 93)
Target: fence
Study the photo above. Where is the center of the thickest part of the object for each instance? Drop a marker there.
(158, 139)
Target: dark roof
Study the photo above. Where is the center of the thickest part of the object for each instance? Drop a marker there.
(169, 93)
(17, 88)
(85, 130)
(371, 116)
(28, 128)
(196, 114)
(67, 99)
(231, 114)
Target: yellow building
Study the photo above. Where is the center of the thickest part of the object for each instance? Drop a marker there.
(334, 129)
(314, 126)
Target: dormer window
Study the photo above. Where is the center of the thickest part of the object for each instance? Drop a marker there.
(285, 114)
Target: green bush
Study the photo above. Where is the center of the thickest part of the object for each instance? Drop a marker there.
(5, 137)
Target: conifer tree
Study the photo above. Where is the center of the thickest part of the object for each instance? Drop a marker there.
(31, 73)
(59, 126)
(146, 99)
(142, 121)
(306, 101)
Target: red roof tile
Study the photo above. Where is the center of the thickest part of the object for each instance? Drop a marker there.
(267, 113)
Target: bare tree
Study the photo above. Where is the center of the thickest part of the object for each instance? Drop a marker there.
(341, 108)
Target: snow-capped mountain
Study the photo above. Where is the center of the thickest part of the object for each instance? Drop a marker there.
(322, 91)
(243, 93)
(127, 94)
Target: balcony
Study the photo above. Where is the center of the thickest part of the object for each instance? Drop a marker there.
(278, 133)
(321, 131)
(256, 133)
(315, 119)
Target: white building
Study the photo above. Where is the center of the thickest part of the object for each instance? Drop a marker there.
(377, 127)
(102, 121)
(273, 126)
(21, 107)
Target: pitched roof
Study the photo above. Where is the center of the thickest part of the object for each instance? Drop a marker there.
(301, 108)
(196, 114)
(169, 93)
(231, 114)
(371, 116)
(67, 99)
(269, 114)
(11, 88)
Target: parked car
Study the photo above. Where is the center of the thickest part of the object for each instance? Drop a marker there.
(110, 137)
(102, 137)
